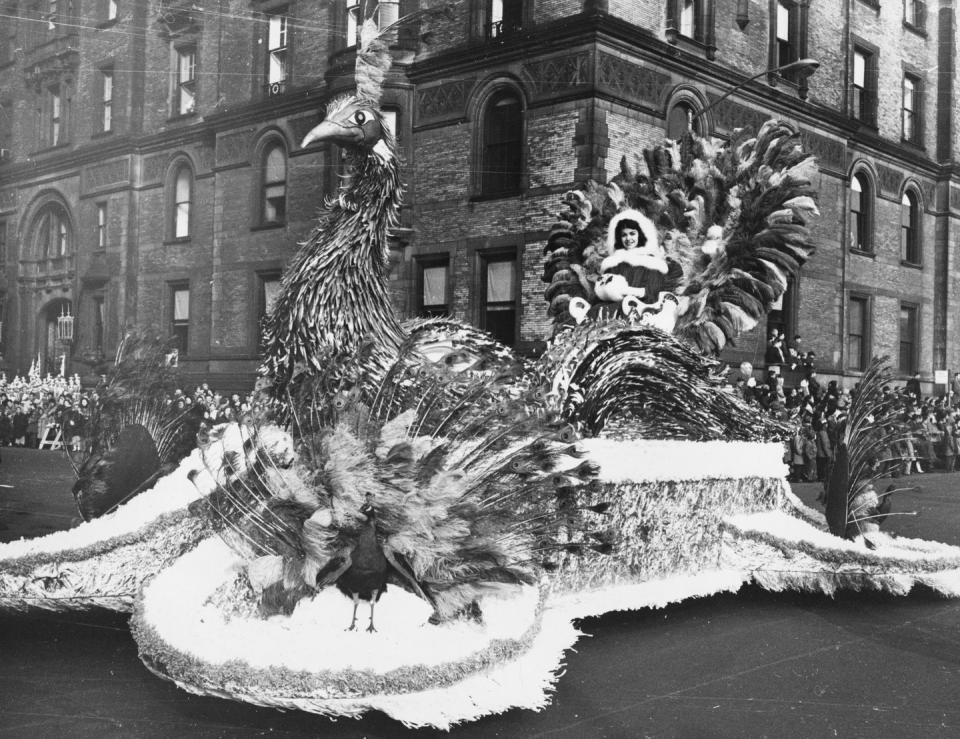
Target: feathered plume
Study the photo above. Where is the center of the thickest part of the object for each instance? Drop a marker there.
(637, 381)
(134, 433)
(869, 437)
(373, 61)
(733, 216)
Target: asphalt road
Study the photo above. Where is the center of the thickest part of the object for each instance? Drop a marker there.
(753, 664)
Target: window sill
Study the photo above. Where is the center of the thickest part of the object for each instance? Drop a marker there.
(180, 240)
(108, 23)
(50, 149)
(911, 265)
(485, 197)
(913, 144)
(864, 253)
(874, 4)
(921, 32)
(268, 226)
(102, 134)
(181, 117)
(689, 44)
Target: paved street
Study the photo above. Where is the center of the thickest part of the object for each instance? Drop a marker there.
(746, 665)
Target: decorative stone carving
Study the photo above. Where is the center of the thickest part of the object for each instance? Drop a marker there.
(889, 180)
(153, 168)
(8, 199)
(234, 147)
(954, 197)
(99, 176)
(631, 81)
(548, 76)
(831, 154)
(729, 115)
(442, 101)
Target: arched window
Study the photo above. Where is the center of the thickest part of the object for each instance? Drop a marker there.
(273, 184)
(182, 192)
(501, 166)
(52, 235)
(861, 213)
(683, 117)
(910, 228)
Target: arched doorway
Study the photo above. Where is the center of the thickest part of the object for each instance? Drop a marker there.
(54, 337)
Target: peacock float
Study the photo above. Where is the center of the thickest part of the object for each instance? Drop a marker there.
(417, 526)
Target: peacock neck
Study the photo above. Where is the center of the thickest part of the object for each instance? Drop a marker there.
(365, 210)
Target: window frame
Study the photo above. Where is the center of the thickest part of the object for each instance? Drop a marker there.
(263, 277)
(863, 99)
(268, 146)
(99, 323)
(866, 332)
(703, 15)
(102, 222)
(424, 262)
(501, 24)
(863, 243)
(485, 259)
(106, 92)
(184, 86)
(180, 328)
(277, 86)
(51, 235)
(499, 183)
(911, 233)
(787, 311)
(917, 20)
(915, 112)
(914, 344)
(179, 166)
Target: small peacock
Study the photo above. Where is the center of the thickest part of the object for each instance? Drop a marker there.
(452, 496)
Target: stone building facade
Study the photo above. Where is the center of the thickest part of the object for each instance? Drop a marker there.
(151, 175)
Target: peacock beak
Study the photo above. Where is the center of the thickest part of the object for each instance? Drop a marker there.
(333, 131)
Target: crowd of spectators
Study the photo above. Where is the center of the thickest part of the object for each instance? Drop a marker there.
(34, 409)
(930, 425)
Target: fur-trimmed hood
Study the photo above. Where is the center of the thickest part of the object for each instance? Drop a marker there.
(647, 227)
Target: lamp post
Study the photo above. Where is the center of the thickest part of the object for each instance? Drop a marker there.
(804, 66)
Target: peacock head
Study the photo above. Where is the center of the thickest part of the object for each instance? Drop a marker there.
(355, 124)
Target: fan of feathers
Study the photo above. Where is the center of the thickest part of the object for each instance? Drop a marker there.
(133, 432)
(733, 214)
(469, 484)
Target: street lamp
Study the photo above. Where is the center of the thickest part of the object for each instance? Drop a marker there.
(805, 66)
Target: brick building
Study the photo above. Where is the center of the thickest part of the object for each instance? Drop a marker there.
(151, 175)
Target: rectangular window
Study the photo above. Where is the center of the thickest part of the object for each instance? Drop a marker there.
(506, 18)
(180, 317)
(864, 101)
(781, 312)
(55, 115)
(185, 92)
(101, 225)
(858, 336)
(498, 293)
(276, 53)
(690, 19)
(911, 108)
(106, 99)
(269, 288)
(915, 13)
(786, 34)
(111, 10)
(432, 280)
(909, 339)
(353, 22)
(99, 323)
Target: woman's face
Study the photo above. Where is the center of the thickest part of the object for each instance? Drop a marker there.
(629, 237)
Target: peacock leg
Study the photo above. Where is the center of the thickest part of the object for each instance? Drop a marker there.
(353, 622)
(373, 602)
